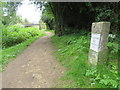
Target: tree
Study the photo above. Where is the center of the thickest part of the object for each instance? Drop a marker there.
(72, 17)
(9, 16)
(47, 17)
(26, 21)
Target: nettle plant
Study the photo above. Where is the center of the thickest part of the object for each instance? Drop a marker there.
(109, 78)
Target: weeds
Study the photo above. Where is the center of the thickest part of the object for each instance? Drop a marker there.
(15, 40)
(72, 52)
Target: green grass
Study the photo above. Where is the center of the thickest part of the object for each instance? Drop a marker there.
(8, 54)
(72, 51)
(52, 31)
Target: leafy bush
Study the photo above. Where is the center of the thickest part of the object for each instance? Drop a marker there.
(70, 17)
(48, 17)
(107, 78)
(113, 50)
(15, 34)
(10, 53)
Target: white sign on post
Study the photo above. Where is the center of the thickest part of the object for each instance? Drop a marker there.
(98, 48)
(95, 42)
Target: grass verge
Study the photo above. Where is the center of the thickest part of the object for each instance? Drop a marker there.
(72, 51)
(8, 54)
(52, 31)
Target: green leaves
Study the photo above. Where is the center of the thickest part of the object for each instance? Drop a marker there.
(113, 46)
(113, 50)
(91, 72)
(10, 53)
(104, 15)
(15, 34)
(108, 79)
(9, 16)
(73, 53)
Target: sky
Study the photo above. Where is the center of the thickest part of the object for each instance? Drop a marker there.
(29, 11)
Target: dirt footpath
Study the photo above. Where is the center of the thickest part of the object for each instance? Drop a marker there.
(36, 67)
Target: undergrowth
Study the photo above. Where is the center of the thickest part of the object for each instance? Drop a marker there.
(10, 53)
(15, 34)
(15, 40)
(72, 52)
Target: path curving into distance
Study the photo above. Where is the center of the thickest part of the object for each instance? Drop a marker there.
(36, 67)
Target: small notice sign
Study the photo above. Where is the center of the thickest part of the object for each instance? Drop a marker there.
(95, 42)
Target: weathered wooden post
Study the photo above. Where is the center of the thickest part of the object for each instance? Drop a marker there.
(99, 39)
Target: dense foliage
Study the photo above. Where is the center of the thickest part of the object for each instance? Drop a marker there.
(15, 39)
(9, 16)
(47, 17)
(72, 52)
(49, 20)
(71, 17)
(15, 34)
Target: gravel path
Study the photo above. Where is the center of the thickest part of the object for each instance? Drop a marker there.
(36, 67)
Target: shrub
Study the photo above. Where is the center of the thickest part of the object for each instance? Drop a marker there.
(15, 34)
